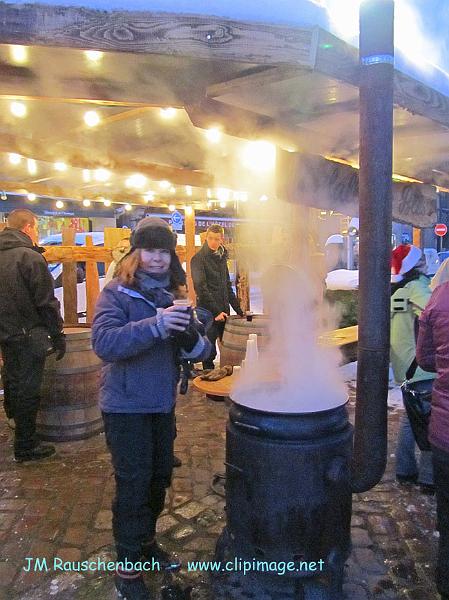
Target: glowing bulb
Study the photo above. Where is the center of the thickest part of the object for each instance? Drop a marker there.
(188, 190)
(259, 157)
(86, 175)
(107, 202)
(209, 204)
(345, 17)
(171, 207)
(91, 118)
(136, 181)
(31, 197)
(164, 185)
(32, 167)
(86, 202)
(102, 175)
(263, 198)
(128, 207)
(19, 54)
(213, 135)
(223, 204)
(3, 196)
(172, 190)
(15, 159)
(188, 210)
(59, 204)
(209, 193)
(149, 197)
(60, 166)
(93, 56)
(18, 109)
(223, 194)
(167, 113)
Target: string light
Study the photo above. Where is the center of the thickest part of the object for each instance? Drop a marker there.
(60, 166)
(188, 190)
(213, 135)
(86, 202)
(171, 207)
(32, 166)
(136, 181)
(93, 56)
(86, 175)
(164, 185)
(167, 113)
(91, 118)
(59, 204)
(107, 202)
(18, 109)
(128, 207)
(101, 175)
(31, 197)
(14, 159)
(19, 54)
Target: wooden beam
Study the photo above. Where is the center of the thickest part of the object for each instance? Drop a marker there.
(189, 224)
(92, 283)
(72, 253)
(69, 281)
(75, 157)
(246, 124)
(204, 37)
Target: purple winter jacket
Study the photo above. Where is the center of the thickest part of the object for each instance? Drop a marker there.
(432, 354)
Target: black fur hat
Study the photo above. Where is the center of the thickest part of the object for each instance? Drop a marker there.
(153, 233)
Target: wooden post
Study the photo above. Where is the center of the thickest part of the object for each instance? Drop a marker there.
(242, 286)
(92, 284)
(69, 281)
(190, 249)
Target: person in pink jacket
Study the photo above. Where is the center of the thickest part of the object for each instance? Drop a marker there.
(432, 354)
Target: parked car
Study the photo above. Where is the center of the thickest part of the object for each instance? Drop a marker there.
(80, 240)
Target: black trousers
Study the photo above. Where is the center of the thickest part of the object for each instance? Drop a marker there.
(441, 479)
(141, 446)
(215, 332)
(23, 376)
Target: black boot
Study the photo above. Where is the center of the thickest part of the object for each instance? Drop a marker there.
(133, 588)
(37, 453)
(167, 561)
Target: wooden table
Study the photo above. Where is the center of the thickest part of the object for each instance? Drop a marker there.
(222, 387)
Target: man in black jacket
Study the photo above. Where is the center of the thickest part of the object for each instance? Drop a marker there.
(30, 327)
(213, 286)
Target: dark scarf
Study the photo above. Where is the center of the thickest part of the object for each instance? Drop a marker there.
(154, 287)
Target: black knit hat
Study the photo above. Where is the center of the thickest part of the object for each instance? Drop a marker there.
(153, 233)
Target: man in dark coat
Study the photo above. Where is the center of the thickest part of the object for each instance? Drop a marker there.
(30, 327)
(213, 286)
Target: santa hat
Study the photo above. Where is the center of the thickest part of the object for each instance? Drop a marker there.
(403, 259)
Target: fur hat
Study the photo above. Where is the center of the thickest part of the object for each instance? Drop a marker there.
(403, 259)
(153, 232)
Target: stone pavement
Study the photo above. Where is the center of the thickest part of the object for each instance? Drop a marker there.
(61, 508)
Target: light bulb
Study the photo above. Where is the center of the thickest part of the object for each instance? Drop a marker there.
(14, 158)
(86, 202)
(213, 135)
(59, 204)
(136, 181)
(31, 197)
(93, 56)
(86, 175)
(188, 190)
(102, 175)
(18, 54)
(107, 202)
(222, 204)
(18, 109)
(172, 190)
(164, 185)
(91, 118)
(60, 166)
(171, 207)
(167, 113)
(128, 207)
(188, 210)
(32, 166)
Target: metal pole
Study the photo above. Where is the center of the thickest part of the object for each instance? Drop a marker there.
(375, 198)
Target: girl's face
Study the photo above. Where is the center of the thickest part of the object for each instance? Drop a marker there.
(155, 261)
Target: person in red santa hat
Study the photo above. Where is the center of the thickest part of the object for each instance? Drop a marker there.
(410, 294)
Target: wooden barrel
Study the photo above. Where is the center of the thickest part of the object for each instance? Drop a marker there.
(69, 400)
(235, 335)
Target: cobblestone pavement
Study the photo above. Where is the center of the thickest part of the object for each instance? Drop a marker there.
(60, 507)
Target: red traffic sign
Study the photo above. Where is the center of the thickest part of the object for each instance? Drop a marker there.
(440, 229)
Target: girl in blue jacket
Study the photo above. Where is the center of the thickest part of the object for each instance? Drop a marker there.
(141, 337)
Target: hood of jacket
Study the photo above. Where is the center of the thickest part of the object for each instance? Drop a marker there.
(13, 238)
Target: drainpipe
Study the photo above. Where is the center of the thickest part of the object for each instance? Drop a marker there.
(375, 200)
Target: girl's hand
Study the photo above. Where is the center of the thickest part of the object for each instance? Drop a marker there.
(174, 318)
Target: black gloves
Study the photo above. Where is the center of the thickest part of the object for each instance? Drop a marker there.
(187, 339)
(59, 345)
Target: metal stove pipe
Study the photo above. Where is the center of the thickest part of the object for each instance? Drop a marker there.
(375, 198)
